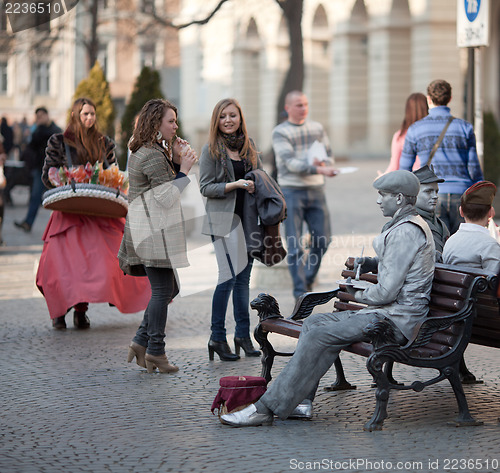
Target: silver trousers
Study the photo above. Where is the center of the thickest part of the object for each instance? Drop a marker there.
(322, 338)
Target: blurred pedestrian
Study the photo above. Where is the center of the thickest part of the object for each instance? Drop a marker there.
(229, 155)
(450, 144)
(303, 158)
(3, 183)
(8, 136)
(158, 168)
(44, 129)
(415, 109)
(78, 264)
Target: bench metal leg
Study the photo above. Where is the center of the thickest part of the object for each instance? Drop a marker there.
(341, 384)
(375, 367)
(466, 376)
(464, 418)
(268, 352)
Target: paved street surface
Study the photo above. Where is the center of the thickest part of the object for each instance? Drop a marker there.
(71, 403)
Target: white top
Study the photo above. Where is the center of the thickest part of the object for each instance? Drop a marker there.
(472, 245)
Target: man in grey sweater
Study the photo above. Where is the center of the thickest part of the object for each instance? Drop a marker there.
(303, 159)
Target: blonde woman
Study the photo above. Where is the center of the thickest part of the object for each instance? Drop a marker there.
(224, 162)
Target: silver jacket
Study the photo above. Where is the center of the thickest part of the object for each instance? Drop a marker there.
(405, 252)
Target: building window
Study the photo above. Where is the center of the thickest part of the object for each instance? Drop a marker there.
(42, 78)
(148, 6)
(148, 53)
(3, 78)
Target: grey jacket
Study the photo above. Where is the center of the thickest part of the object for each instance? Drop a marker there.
(219, 206)
(405, 251)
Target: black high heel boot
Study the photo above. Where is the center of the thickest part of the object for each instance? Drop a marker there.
(246, 344)
(222, 349)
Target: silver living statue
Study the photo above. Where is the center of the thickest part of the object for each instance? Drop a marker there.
(405, 265)
(427, 201)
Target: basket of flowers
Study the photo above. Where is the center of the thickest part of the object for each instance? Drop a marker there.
(88, 190)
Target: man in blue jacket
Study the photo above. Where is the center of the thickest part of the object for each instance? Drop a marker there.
(455, 160)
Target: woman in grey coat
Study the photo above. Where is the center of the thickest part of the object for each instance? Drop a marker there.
(224, 161)
(154, 242)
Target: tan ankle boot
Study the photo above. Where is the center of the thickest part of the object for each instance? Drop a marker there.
(160, 362)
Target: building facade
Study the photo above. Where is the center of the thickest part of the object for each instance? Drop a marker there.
(362, 59)
(43, 65)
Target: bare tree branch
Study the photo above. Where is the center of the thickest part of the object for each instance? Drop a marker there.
(204, 21)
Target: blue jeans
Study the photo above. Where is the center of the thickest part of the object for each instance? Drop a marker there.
(305, 206)
(151, 333)
(234, 276)
(447, 211)
(37, 190)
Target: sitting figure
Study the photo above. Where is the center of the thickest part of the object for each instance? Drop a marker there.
(405, 266)
(472, 245)
(427, 201)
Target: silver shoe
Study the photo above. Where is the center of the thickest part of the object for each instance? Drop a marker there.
(303, 411)
(247, 417)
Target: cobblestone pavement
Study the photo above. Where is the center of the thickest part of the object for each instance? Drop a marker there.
(71, 403)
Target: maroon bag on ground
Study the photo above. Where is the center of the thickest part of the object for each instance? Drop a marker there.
(237, 392)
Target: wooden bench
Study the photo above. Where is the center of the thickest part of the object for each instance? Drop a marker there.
(439, 344)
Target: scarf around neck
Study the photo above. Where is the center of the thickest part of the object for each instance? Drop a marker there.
(234, 142)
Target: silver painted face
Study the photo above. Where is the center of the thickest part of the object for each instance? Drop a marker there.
(389, 203)
(427, 198)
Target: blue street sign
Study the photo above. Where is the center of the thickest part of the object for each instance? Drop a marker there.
(472, 9)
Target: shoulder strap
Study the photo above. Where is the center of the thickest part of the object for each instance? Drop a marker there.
(438, 142)
(68, 154)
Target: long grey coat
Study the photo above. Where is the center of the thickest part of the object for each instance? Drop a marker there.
(152, 177)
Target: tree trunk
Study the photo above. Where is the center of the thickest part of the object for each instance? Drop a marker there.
(294, 79)
(93, 45)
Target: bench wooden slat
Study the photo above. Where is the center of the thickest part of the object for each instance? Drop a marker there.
(452, 292)
(449, 277)
(286, 327)
(445, 303)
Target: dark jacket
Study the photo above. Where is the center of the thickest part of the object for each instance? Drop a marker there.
(38, 144)
(56, 155)
(266, 207)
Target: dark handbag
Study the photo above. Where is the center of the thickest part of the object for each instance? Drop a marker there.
(273, 252)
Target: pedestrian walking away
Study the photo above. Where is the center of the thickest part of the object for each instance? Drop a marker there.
(416, 108)
(450, 144)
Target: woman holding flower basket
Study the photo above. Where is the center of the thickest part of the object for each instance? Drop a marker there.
(79, 261)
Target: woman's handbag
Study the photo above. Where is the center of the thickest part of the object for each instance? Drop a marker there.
(274, 252)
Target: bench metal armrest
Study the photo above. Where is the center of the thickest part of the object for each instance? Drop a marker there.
(306, 303)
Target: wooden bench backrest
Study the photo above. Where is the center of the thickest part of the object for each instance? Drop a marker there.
(450, 289)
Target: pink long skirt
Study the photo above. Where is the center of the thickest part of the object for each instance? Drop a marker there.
(79, 264)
